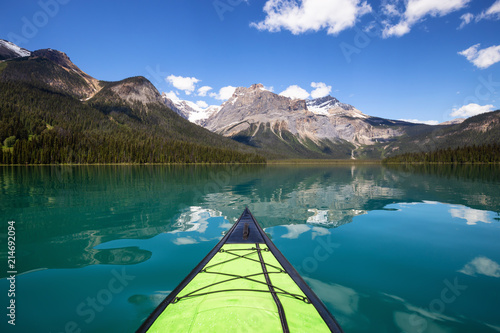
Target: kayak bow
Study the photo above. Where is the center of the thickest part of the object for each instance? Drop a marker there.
(243, 284)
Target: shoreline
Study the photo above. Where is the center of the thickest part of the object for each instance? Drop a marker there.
(270, 162)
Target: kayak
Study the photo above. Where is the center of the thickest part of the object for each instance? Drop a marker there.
(244, 284)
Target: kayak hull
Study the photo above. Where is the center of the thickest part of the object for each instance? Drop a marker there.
(244, 284)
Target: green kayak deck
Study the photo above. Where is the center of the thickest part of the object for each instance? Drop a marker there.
(244, 284)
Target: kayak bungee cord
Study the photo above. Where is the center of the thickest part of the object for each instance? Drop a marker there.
(255, 250)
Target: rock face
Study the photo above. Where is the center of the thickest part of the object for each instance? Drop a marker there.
(254, 105)
(137, 89)
(91, 85)
(320, 119)
(453, 122)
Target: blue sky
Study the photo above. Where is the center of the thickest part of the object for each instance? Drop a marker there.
(428, 60)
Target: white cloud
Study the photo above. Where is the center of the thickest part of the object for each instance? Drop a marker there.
(204, 90)
(295, 92)
(466, 19)
(483, 58)
(472, 216)
(320, 231)
(343, 299)
(482, 265)
(202, 104)
(172, 96)
(494, 9)
(187, 84)
(390, 9)
(224, 93)
(471, 109)
(416, 10)
(321, 89)
(416, 121)
(311, 15)
(400, 29)
(295, 230)
(184, 241)
(491, 13)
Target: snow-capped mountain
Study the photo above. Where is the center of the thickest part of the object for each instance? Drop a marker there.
(329, 105)
(189, 110)
(10, 50)
(254, 110)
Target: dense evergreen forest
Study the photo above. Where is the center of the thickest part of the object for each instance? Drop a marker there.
(489, 153)
(40, 126)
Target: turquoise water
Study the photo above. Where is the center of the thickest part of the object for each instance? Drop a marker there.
(386, 249)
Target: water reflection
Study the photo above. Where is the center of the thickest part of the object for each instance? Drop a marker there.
(482, 265)
(375, 242)
(472, 216)
(72, 210)
(195, 219)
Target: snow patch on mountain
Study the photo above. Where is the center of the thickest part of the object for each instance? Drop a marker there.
(189, 110)
(18, 51)
(330, 106)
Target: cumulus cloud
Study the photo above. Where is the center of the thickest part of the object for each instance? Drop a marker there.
(224, 93)
(321, 89)
(400, 29)
(187, 84)
(204, 90)
(172, 96)
(416, 121)
(482, 265)
(471, 109)
(312, 15)
(483, 58)
(295, 92)
(415, 11)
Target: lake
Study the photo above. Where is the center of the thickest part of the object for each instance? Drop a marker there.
(387, 249)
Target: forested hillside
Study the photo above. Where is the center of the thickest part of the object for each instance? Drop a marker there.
(489, 153)
(40, 124)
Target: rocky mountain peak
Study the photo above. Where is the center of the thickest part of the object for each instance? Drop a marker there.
(137, 89)
(257, 86)
(92, 85)
(252, 91)
(57, 57)
(254, 102)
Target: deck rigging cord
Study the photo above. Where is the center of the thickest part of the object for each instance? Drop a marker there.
(254, 250)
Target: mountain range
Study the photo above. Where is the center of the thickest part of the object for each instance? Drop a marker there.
(324, 127)
(253, 122)
(53, 112)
